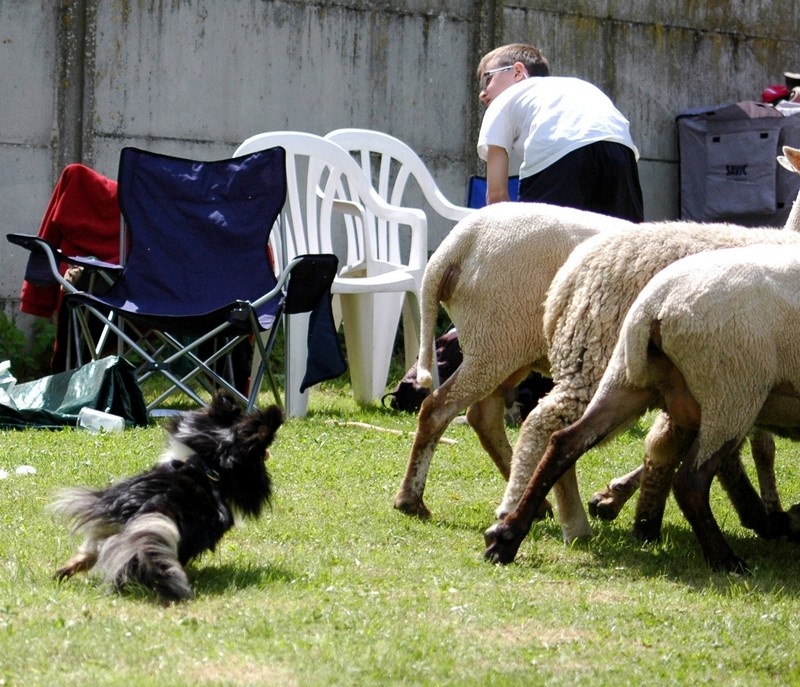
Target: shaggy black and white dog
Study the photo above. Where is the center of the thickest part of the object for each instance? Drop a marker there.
(144, 529)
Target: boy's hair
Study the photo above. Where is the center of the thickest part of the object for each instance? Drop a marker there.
(535, 62)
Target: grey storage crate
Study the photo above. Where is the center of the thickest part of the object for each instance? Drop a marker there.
(728, 166)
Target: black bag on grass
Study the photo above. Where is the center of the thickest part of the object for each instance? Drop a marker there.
(408, 395)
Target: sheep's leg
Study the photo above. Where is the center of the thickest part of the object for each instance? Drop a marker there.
(691, 488)
(748, 504)
(486, 418)
(606, 504)
(468, 385)
(762, 446)
(665, 445)
(571, 514)
(617, 407)
(761, 513)
(663, 457)
(435, 415)
(552, 413)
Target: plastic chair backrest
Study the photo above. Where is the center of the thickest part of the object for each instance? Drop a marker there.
(476, 190)
(389, 164)
(320, 176)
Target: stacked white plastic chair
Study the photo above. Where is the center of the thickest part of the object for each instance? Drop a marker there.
(390, 165)
(323, 182)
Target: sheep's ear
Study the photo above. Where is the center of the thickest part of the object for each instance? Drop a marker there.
(790, 159)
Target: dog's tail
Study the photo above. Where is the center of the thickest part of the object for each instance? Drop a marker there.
(145, 552)
(79, 507)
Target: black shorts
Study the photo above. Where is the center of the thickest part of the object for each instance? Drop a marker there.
(600, 177)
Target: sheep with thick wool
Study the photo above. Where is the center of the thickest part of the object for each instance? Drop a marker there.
(491, 274)
(714, 339)
(607, 503)
(585, 306)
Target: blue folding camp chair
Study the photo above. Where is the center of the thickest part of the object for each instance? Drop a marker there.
(198, 270)
(476, 191)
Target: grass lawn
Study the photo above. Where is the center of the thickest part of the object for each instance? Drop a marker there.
(335, 587)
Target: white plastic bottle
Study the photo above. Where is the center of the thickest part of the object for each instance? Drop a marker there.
(98, 421)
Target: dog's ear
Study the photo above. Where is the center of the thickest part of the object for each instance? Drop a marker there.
(260, 427)
(224, 410)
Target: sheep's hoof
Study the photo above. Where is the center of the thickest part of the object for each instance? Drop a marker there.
(545, 511)
(794, 523)
(607, 504)
(648, 531)
(603, 505)
(728, 562)
(411, 505)
(774, 526)
(502, 543)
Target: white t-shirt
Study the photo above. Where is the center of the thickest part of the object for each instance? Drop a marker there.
(542, 118)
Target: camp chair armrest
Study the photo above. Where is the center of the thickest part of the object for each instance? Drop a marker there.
(43, 248)
(93, 263)
(109, 270)
(311, 263)
(282, 277)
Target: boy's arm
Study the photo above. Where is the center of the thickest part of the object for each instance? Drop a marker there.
(496, 175)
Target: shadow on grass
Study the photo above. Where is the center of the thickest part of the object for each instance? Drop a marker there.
(614, 550)
(225, 578)
(677, 557)
(214, 581)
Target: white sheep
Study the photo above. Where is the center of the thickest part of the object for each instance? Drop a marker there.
(607, 503)
(491, 274)
(586, 304)
(715, 340)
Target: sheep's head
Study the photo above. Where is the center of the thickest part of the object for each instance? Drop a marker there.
(790, 159)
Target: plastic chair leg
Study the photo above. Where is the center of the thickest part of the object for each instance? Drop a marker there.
(296, 356)
(370, 326)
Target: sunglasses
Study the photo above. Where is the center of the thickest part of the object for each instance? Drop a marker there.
(486, 77)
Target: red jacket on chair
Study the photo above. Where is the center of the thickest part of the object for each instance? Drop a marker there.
(81, 219)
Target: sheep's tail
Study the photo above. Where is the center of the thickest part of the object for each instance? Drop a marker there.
(145, 553)
(637, 335)
(437, 286)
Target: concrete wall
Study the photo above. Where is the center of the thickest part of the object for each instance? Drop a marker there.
(80, 79)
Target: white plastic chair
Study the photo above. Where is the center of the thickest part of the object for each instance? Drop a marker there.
(323, 177)
(390, 164)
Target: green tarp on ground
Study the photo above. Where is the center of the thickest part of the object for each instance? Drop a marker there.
(108, 384)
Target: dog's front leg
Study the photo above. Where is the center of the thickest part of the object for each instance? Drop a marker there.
(83, 560)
